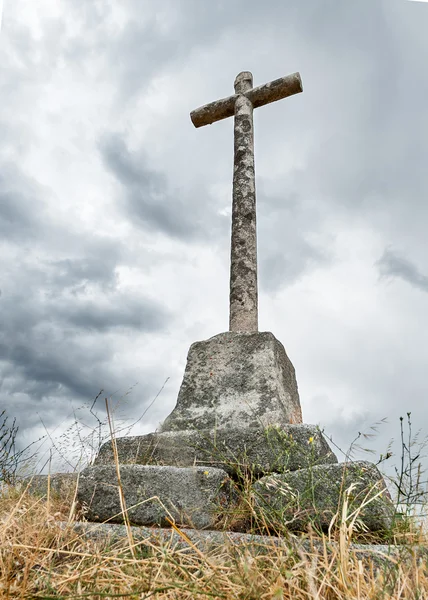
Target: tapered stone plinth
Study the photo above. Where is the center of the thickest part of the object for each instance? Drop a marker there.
(236, 380)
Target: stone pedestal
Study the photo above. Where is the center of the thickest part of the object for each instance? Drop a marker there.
(236, 380)
(237, 419)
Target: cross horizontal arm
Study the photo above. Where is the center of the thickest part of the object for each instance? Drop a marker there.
(264, 94)
(215, 111)
(275, 90)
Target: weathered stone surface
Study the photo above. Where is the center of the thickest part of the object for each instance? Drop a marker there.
(243, 254)
(236, 380)
(243, 264)
(259, 96)
(235, 451)
(59, 484)
(194, 496)
(377, 555)
(313, 496)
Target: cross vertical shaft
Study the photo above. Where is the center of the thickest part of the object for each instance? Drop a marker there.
(243, 300)
(243, 257)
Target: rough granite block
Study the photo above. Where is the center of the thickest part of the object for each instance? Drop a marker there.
(236, 380)
(236, 451)
(313, 496)
(194, 496)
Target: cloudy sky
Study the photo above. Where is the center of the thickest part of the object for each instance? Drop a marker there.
(115, 210)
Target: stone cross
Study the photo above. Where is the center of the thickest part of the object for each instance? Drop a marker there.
(243, 264)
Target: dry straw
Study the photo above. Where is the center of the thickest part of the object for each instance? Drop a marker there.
(41, 559)
(43, 555)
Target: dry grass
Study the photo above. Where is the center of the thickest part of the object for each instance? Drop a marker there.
(39, 559)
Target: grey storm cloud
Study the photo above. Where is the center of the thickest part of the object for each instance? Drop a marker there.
(75, 273)
(151, 41)
(124, 312)
(150, 202)
(285, 252)
(49, 307)
(371, 163)
(43, 341)
(146, 191)
(41, 374)
(21, 204)
(284, 267)
(391, 265)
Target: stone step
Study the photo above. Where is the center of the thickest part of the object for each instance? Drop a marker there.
(372, 555)
(236, 451)
(202, 497)
(193, 497)
(313, 496)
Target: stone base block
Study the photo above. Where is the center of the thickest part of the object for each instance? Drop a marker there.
(313, 496)
(236, 451)
(194, 497)
(375, 556)
(236, 380)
